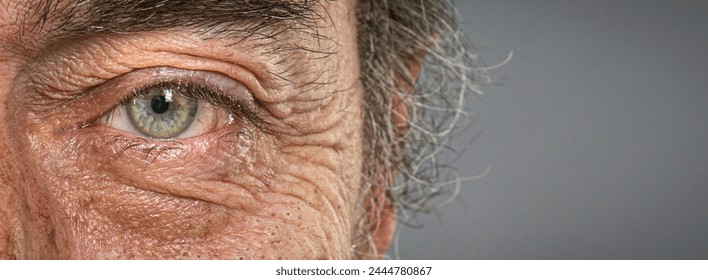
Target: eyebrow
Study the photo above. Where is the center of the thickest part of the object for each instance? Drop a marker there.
(244, 19)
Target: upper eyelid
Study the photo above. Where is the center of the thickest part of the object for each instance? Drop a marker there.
(72, 68)
(213, 88)
(212, 80)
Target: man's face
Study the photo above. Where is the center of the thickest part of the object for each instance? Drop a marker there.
(163, 134)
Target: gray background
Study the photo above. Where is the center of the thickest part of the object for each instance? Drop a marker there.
(596, 134)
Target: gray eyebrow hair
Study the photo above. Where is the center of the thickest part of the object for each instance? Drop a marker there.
(244, 18)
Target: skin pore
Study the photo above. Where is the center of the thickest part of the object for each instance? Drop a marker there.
(272, 170)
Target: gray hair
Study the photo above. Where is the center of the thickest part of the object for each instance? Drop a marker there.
(394, 36)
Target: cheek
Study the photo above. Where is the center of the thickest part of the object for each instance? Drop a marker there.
(213, 200)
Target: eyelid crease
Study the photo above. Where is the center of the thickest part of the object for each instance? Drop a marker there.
(63, 73)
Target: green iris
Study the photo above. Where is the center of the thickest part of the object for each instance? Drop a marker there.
(161, 112)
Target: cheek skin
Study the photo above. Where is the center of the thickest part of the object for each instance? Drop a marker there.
(130, 206)
(288, 195)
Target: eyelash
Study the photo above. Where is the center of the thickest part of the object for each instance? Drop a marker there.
(200, 92)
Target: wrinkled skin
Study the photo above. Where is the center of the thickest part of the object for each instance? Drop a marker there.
(70, 190)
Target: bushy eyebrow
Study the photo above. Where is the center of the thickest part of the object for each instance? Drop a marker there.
(243, 18)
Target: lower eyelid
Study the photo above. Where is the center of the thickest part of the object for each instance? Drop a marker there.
(112, 149)
(102, 142)
(111, 144)
(128, 146)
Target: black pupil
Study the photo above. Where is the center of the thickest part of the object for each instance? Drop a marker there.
(159, 105)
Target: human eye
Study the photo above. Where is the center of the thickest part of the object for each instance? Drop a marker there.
(172, 104)
(165, 110)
